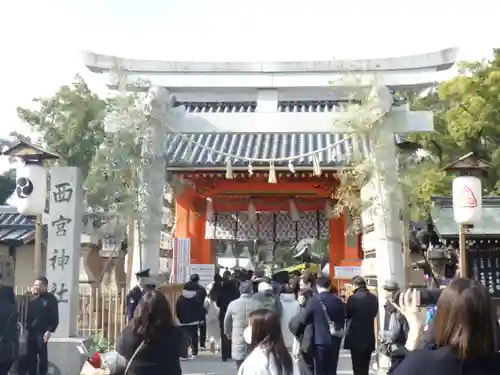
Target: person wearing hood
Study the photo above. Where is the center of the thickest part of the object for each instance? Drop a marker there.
(361, 309)
(236, 320)
(265, 296)
(190, 311)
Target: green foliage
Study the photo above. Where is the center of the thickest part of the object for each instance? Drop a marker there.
(7, 185)
(98, 344)
(466, 119)
(70, 123)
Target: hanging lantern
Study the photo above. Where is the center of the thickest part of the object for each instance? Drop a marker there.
(210, 209)
(294, 212)
(467, 199)
(31, 189)
(252, 212)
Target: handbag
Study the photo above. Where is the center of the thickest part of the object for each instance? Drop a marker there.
(117, 364)
(331, 325)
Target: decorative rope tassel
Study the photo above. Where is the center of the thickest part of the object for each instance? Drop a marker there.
(272, 174)
(250, 169)
(229, 169)
(291, 168)
(316, 166)
(210, 210)
(294, 212)
(252, 212)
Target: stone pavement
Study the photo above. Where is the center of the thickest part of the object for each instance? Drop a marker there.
(210, 364)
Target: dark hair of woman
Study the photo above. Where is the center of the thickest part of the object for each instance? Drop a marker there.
(266, 333)
(152, 315)
(465, 320)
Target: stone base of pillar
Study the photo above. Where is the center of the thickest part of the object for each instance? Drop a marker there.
(64, 356)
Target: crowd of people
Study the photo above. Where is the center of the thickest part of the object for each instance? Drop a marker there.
(282, 328)
(299, 326)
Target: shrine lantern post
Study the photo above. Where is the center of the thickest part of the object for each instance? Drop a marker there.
(30, 195)
(467, 198)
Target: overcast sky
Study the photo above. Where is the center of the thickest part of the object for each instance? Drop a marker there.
(41, 40)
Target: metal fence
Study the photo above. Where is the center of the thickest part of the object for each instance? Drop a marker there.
(100, 313)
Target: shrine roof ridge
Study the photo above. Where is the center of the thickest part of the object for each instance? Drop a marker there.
(438, 60)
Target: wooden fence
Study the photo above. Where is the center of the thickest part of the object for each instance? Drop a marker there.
(101, 313)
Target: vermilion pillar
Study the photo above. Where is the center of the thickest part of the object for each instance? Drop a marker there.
(337, 242)
(190, 223)
(200, 247)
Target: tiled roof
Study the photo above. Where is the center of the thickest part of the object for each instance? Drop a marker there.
(184, 154)
(219, 107)
(15, 228)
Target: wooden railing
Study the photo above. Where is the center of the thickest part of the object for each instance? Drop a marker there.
(101, 313)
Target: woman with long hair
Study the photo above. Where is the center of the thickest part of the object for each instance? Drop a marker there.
(154, 338)
(269, 354)
(464, 329)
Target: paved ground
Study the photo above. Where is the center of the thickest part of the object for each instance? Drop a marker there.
(210, 364)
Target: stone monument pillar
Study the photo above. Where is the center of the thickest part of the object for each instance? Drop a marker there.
(65, 224)
(63, 244)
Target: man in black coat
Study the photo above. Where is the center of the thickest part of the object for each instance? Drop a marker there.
(361, 311)
(228, 292)
(201, 293)
(323, 308)
(41, 321)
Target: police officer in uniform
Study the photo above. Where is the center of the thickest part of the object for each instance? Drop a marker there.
(135, 294)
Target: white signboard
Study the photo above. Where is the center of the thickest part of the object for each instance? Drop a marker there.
(346, 272)
(181, 260)
(205, 271)
(63, 246)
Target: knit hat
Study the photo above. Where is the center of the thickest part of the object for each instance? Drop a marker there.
(264, 287)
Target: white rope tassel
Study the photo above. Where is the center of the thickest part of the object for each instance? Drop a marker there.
(229, 169)
(250, 169)
(252, 212)
(272, 174)
(316, 166)
(294, 212)
(291, 168)
(210, 209)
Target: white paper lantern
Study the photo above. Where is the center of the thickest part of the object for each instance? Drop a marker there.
(31, 189)
(467, 199)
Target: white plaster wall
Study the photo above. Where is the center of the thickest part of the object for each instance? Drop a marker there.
(24, 265)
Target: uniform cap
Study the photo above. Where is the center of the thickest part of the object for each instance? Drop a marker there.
(142, 273)
(391, 286)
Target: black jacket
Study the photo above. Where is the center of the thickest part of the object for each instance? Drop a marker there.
(361, 311)
(158, 357)
(43, 314)
(189, 308)
(303, 331)
(9, 339)
(443, 362)
(314, 314)
(228, 293)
